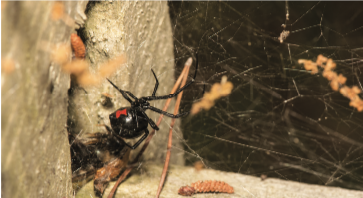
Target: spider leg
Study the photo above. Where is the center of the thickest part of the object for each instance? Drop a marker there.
(115, 137)
(150, 121)
(179, 90)
(156, 83)
(141, 139)
(121, 91)
(203, 90)
(166, 113)
(109, 130)
(118, 139)
(132, 95)
(122, 141)
(135, 118)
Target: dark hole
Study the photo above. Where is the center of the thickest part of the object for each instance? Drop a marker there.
(51, 87)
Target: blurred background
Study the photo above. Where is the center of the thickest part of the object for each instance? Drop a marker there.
(280, 120)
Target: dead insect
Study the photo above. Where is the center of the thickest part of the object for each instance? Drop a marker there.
(108, 172)
(106, 100)
(99, 156)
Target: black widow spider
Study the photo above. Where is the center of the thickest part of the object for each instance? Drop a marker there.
(131, 122)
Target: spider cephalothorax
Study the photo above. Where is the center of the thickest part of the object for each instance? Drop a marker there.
(132, 122)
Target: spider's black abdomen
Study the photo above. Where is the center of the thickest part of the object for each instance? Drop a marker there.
(131, 122)
(123, 123)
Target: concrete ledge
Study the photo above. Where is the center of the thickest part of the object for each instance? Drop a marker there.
(144, 183)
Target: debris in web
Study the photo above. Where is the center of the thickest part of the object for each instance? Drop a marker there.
(109, 171)
(336, 81)
(217, 91)
(79, 67)
(58, 13)
(284, 34)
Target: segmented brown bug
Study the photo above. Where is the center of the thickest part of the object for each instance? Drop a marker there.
(78, 46)
(206, 186)
(186, 191)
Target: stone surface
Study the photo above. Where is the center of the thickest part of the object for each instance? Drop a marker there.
(144, 183)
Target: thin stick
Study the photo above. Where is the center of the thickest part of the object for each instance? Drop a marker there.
(168, 151)
(128, 170)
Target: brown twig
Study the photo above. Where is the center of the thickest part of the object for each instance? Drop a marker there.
(109, 171)
(147, 141)
(168, 151)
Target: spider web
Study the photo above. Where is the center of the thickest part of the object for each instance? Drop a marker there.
(280, 120)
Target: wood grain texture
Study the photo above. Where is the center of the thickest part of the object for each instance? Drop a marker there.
(34, 141)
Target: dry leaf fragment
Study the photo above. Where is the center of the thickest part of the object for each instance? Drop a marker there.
(357, 103)
(321, 59)
(62, 54)
(341, 79)
(309, 65)
(109, 172)
(284, 34)
(76, 67)
(336, 81)
(330, 65)
(88, 79)
(218, 90)
(111, 66)
(79, 67)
